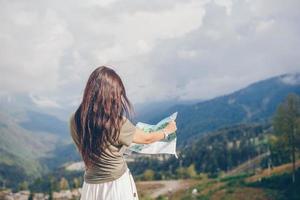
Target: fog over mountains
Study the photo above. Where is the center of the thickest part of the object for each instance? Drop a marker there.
(255, 103)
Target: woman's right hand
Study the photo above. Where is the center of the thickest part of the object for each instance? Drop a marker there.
(141, 137)
(171, 127)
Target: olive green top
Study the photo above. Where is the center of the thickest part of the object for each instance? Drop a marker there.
(110, 165)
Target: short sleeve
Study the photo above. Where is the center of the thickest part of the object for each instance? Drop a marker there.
(126, 133)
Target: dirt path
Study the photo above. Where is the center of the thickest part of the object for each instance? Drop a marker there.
(156, 188)
(275, 170)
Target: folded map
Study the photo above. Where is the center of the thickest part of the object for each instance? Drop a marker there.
(165, 146)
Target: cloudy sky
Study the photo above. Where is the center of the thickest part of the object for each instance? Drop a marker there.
(181, 49)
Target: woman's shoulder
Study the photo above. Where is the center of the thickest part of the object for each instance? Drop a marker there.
(127, 131)
(127, 123)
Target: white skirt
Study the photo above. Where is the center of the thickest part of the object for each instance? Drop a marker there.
(122, 188)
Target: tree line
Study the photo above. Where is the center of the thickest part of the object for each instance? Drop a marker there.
(220, 151)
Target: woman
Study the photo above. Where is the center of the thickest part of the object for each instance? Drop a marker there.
(102, 130)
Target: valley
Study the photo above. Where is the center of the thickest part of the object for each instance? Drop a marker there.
(224, 145)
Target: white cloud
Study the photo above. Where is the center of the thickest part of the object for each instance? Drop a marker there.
(102, 3)
(187, 54)
(225, 3)
(144, 46)
(44, 102)
(291, 79)
(31, 54)
(264, 25)
(161, 49)
(136, 34)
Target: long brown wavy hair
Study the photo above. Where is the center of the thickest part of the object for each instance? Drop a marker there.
(99, 116)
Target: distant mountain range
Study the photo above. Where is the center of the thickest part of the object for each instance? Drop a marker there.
(29, 139)
(146, 112)
(20, 150)
(34, 141)
(255, 103)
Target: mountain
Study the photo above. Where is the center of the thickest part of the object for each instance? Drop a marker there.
(222, 149)
(35, 140)
(30, 140)
(20, 150)
(33, 117)
(255, 103)
(41, 122)
(145, 112)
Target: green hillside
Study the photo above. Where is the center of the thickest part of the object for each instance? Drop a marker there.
(255, 103)
(212, 153)
(20, 150)
(276, 186)
(34, 142)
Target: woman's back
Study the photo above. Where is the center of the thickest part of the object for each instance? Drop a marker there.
(101, 131)
(110, 164)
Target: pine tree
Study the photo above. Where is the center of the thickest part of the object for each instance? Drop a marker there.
(63, 184)
(23, 185)
(287, 127)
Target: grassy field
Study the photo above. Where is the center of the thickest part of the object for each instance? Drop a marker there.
(264, 185)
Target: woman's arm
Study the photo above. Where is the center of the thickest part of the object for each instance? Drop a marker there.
(140, 137)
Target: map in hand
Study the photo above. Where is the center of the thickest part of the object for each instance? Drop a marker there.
(165, 146)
